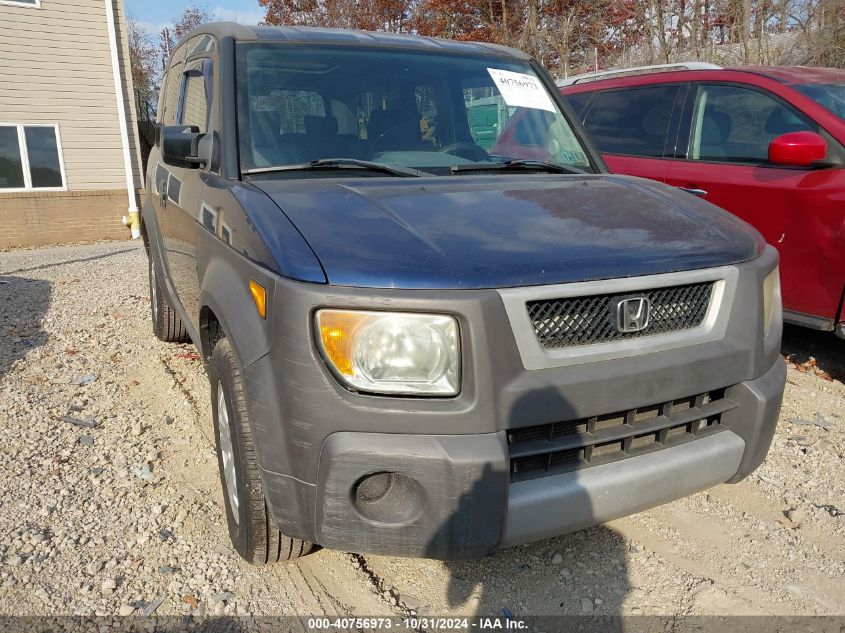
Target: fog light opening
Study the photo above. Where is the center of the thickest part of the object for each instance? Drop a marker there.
(373, 488)
(387, 497)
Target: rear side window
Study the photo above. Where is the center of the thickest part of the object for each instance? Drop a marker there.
(578, 102)
(286, 111)
(632, 121)
(377, 113)
(736, 124)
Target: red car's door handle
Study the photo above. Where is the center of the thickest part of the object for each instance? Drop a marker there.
(694, 191)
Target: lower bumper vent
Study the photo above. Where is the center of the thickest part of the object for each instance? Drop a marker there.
(548, 449)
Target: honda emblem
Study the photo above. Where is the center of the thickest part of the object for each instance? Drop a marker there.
(632, 314)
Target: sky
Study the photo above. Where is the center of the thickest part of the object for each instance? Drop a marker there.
(154, 14)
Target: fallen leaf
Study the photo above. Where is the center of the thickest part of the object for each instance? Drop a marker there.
(190, 600)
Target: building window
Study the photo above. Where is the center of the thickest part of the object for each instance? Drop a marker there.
(30, 158)
(23, 3)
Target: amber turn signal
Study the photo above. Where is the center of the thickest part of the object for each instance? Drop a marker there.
(259, 295)
(337, 334)
(391, 352)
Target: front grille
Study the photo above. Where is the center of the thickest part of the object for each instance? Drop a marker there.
(549, 449)
(590, 319)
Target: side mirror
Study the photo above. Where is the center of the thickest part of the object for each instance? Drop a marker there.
(180, 146)
(797, 149)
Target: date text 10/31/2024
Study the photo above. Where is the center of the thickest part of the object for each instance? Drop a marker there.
(417, 623)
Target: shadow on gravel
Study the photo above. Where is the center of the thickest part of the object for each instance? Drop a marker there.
(23, 304)
(527, 581)
(583, 573)
(64, 262)
(800, 343)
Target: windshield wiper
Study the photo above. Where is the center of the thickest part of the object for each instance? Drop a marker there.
(516, 164)
(337, 163)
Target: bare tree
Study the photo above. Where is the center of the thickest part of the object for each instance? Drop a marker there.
(563, 34)
(169, 37)
(143, 60)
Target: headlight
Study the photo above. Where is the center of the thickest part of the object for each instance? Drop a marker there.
(771, 289)
(392, 352)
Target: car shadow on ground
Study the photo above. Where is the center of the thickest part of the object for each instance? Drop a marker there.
(800, 344)
(583, 573)
(23, 304)
(580, 574)
(65, 262)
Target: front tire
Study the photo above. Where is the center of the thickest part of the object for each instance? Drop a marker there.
(167, 325)
(253, 531)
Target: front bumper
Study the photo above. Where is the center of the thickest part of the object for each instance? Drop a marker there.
(467, 506)
(315, 439)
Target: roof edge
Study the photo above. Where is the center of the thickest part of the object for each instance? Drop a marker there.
(319, 35)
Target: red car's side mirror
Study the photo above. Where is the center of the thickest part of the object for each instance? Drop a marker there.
(797, 149)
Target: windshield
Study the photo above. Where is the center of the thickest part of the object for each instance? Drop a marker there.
(831, 96)
(418, 110)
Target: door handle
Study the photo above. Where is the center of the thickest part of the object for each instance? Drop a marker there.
(694, 191)
(163, 198)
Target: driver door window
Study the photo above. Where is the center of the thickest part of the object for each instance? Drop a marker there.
(195, 100)
(169, 102)
(735, 124)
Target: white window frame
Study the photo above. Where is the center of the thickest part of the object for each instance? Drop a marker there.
(27, 176)
(178, 199)
(204, 206)
(165, 180)
(18, 3)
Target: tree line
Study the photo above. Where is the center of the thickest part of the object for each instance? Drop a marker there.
(572, 36)
(567, 36)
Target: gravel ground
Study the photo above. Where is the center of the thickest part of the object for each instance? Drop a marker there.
(110, 501)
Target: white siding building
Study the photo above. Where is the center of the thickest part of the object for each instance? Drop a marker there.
(70, 164)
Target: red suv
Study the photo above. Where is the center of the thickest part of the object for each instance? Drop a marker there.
(766, 143)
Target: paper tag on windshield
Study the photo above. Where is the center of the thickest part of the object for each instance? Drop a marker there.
(521, 91)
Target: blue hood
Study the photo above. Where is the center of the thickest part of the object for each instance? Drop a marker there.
(502, 231)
